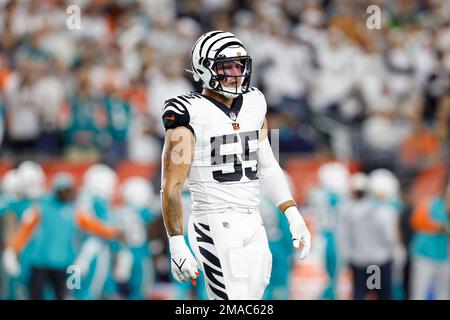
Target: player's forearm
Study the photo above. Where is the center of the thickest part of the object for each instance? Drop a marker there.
(271, 175)
(172, 209)
(22, 237)
(94, 226)
(280, 196)
(177, 157)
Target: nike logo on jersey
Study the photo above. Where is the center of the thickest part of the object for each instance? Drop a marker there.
(181, 265)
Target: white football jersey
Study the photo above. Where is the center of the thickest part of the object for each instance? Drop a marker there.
(224, 170)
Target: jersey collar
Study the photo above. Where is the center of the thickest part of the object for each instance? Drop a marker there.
(231, 112)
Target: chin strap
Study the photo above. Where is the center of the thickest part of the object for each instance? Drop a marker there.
(229, 95)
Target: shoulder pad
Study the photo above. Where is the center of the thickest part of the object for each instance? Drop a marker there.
(254, 89)
(176, 111)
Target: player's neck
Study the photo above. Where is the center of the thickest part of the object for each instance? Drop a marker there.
(217, 96)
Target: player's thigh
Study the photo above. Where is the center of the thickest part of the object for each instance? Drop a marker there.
(37, 282)
(217, 242)
(442, 281)
(259, 257)
(422, 274)
(58, 279)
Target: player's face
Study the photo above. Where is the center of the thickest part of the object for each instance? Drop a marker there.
(232, 70)
(66, 195)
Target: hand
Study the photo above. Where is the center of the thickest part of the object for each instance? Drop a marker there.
(299, 231)
(10, 262)
(183, 264)
(120, 236)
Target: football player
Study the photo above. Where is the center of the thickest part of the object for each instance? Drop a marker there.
(327, 200)
(95, 256)
(217, 140)
(52, 224)
(13, 203)
(134, 265)
(29, 190)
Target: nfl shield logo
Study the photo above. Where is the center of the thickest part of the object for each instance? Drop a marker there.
(233, 116)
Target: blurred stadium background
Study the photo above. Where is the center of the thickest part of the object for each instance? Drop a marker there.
(336, 91)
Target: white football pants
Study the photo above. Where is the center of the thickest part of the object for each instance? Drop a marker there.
(232, 250)
(425, 272)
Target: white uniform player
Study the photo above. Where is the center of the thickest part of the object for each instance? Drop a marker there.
(225, 158)
(224, 169)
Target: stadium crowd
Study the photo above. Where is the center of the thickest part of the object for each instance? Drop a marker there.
(377, 98)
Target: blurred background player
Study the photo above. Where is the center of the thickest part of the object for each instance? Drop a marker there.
(52, 224)
(95, 256)
(429, 248)
(12, 205)
(30, 187)
(134, 269)
(327, 201)
(385, 188)
(367, 233)
(359, 201)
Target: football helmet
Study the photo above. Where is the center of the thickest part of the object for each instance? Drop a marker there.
(32, 175)
(63, 181)
(359, 181)
(334, 176)
(100, 180)
(384, 185)
(137, 192)
(220, 61)
(12, 185)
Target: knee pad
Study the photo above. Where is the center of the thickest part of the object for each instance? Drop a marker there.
(262, 276)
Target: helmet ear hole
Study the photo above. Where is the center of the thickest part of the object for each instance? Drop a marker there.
(206, 63)
(213, 84)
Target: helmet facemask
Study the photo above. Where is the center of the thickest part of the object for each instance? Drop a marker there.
(231, 76)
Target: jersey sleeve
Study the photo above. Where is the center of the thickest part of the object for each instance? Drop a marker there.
(30, 221)
(176, 114)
